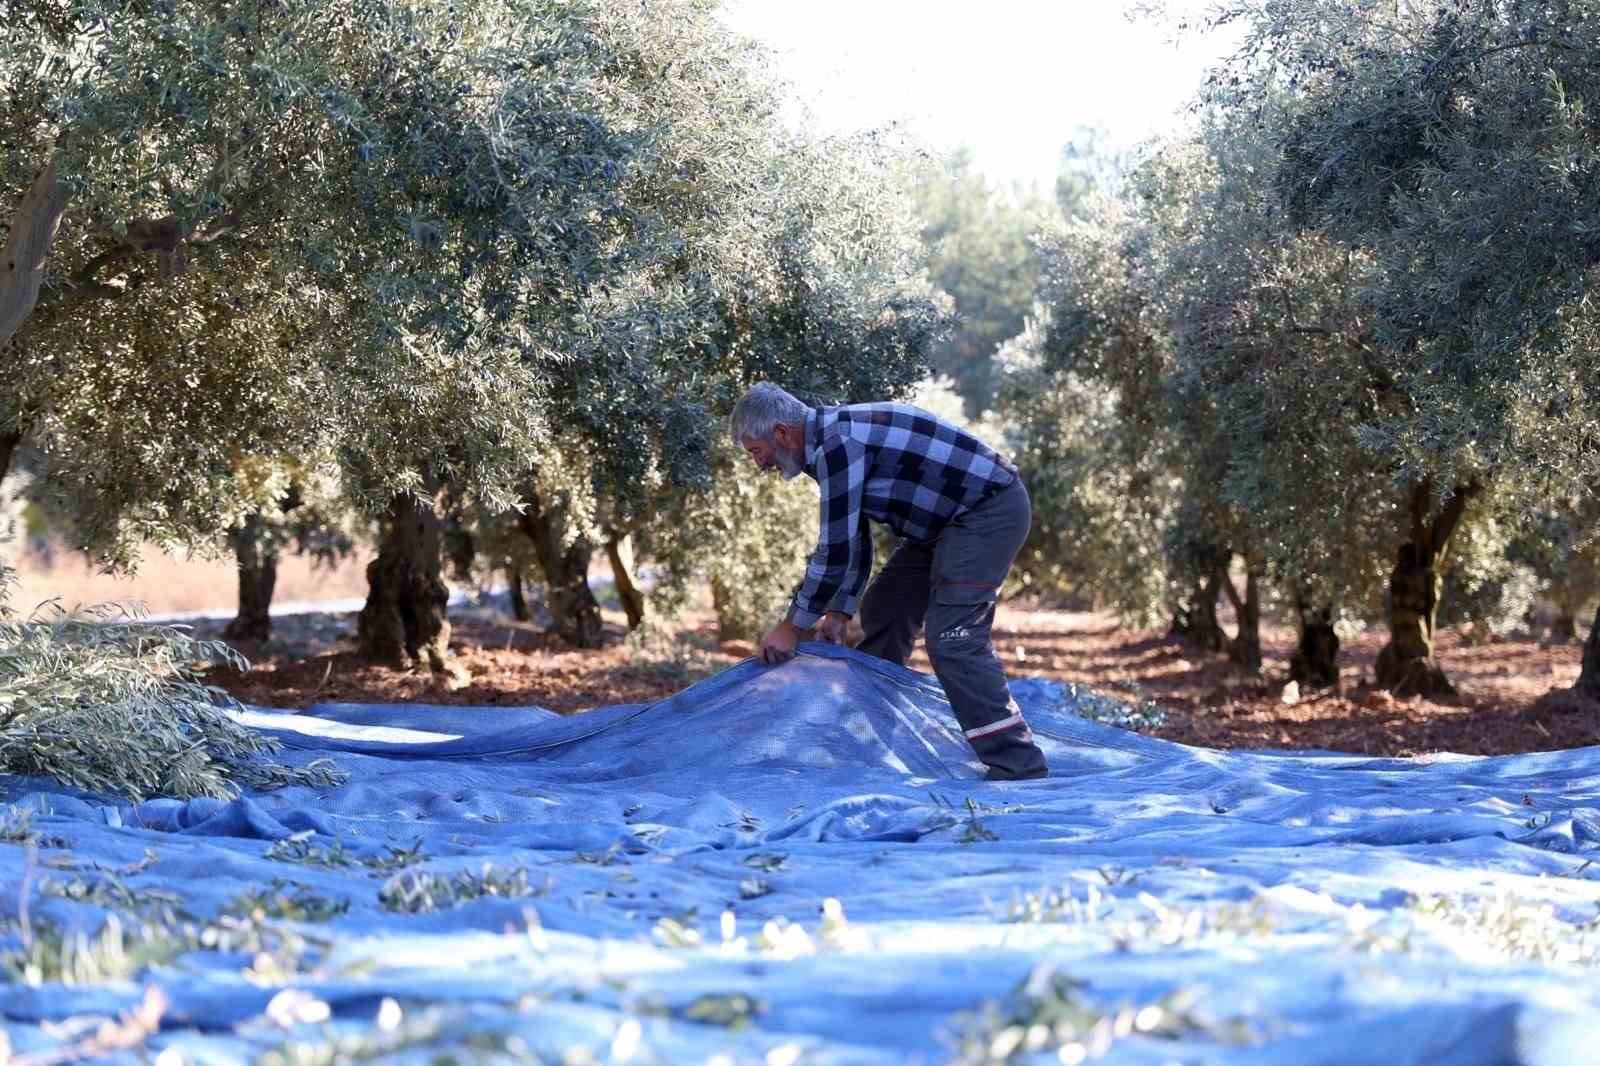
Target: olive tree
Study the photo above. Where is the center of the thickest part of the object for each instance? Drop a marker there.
(350, 227)
(1449, 147)
(979, 236)
(1093, 453)
(808, 270)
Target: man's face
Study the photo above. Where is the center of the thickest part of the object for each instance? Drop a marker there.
(775, 454)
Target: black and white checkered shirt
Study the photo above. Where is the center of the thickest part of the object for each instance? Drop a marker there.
(892, 463)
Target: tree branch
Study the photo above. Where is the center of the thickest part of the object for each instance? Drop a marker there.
(84, 283)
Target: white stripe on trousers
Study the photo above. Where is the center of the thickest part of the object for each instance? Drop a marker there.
(995, 727)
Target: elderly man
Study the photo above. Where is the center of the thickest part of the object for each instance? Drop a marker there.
(962, 514)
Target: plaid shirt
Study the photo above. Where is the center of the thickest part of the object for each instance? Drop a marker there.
(892, 463)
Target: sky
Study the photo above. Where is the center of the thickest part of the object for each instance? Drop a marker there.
(1015, 80)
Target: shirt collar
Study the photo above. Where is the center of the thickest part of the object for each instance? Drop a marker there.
(813, 436)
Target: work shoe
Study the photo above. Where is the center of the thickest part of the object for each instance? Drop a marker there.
(998, 773)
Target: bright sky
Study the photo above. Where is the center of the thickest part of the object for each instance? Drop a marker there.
(1013, 79)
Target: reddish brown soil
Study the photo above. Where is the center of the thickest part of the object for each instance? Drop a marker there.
(1513, 692)
(508, 663)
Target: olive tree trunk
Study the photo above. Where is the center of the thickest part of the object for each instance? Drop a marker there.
(519, 596)
(1564, 626)
(619, 549)
(255, 551)
(1589, 677)
(1245, 648)
(574, 611)
(404, 621)
(1315, 661)
(1196, 619)
(1406, 666)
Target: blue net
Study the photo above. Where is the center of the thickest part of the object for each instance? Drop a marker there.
(802, 864)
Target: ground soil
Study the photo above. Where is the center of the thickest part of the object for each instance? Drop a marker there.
(1513, 691)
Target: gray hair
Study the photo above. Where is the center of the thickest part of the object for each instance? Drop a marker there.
(762, 408)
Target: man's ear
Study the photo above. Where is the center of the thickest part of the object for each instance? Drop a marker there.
(787, 435)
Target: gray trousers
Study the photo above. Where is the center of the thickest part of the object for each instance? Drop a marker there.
(948, 586)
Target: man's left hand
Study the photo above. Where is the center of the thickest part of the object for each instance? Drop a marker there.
(833, 627)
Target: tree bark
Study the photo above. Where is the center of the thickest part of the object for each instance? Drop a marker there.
(519, 597)
(1406, 666)
(1245, 648)
(404, 621)
(573, 609)
(256, 554)
(620, 551)
(1315, 661)
(1589, 676)
(1564, 626)
(1196, 620)
(33, 231)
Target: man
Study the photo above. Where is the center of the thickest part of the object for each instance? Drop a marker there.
(962, 514)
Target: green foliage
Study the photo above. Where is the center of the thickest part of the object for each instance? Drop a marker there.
(1141, 716)
(416, 239)
(1214, 379)
(667, 655)
(286, 901)
(979, 252)
(731, 1010)
(422, 892)
(1486, 587)
(1049, 1011)
(125, 946)
(1447, 145)
(1098, 511)
(302, 848)
(52, 954)
(749, 536)
(101, 700)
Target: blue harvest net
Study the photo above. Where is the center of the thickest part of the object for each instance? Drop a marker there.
(801, 865)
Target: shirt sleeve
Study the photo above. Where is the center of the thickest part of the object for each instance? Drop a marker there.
(844, 548)
(848, 597)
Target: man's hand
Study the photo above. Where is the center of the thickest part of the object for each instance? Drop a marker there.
(778, 645)
(832, 628)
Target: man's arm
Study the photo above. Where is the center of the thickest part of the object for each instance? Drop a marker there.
(843, 540)
(838, 561)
